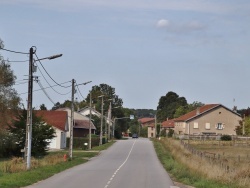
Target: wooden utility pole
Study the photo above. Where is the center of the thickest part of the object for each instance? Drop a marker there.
(90, 115)
(101, 122)
(29, 113)
(72, 120)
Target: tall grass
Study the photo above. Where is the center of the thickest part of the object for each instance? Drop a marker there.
(13, 171)
(18, 164)
(192, 170)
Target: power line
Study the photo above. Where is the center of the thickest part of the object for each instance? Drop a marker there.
(21, 83)
(49, 84)
(16, 81)
(39, 83)
(47, 72)
(16, 61)
(13, 51)
(79, 91)
(46, 88)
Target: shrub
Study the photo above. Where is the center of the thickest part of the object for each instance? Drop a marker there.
(226, 137)
(163, 133)
(170, 132)
(78, 142)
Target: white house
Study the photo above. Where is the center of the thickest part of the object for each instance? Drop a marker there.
(59, 121)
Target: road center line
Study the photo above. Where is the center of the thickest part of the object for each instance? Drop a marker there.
(113, 176)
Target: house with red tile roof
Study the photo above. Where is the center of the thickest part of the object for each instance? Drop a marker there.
(210, 119)
(59, 121)
(150, 124)
(81, 123)
(168, 124)
(146, 121)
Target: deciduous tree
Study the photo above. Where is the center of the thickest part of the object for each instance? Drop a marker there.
(168, 105)
(109, 96)
(9, 99)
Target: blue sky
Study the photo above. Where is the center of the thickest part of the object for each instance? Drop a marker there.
(143, 48)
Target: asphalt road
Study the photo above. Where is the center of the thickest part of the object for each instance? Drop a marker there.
(128, 163)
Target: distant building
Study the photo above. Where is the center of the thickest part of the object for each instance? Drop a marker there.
(150, 124)
(81, 124)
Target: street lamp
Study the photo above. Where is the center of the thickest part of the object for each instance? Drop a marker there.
(29, 106)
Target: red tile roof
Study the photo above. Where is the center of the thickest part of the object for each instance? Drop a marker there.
(168, 123)
(57, 119)
(197, 112)
(145, 120)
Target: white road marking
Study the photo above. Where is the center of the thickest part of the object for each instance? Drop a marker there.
(106, 186)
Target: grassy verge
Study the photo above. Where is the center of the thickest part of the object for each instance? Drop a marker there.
(181, 172)
(104, 146)
(25, 178)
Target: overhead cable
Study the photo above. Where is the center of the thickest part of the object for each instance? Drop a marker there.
(39, 83)
(21, 83)
(16, 61)
(48, 73)
(50, 85)
(13, 51)
(45, 88)
(79, 91)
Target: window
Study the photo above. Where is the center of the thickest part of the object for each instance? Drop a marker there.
(207, 126)
(152, 128)
(219, 126)
(196, 125)
(152, 134)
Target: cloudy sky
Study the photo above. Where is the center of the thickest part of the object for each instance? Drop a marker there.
(143, 48)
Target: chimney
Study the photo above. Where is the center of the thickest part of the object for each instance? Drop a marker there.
(198, 111)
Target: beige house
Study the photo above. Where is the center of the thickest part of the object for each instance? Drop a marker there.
(150, 124)
(210, 119)
(167, 125)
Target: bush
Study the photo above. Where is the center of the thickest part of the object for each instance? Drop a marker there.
(170, 132)
(226, 137)
(163, 133)
(78, 142)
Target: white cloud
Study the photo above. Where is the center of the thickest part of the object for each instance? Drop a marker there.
(172, 27)
(162, 23)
